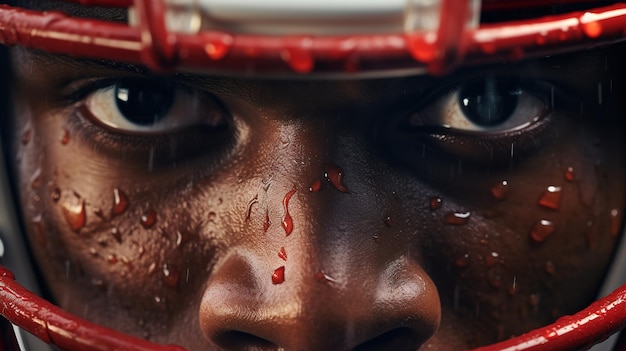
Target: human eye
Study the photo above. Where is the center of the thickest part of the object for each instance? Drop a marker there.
(142, 106)
(485, 120)
(484, 106)
(155, 121)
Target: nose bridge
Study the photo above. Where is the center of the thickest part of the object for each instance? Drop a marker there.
(318, 278)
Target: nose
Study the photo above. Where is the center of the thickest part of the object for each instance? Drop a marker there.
(393, 307)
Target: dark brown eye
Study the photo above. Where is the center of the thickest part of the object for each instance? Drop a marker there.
(143, 102)
(489, 102)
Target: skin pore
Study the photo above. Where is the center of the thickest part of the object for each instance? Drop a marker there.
(432, 237)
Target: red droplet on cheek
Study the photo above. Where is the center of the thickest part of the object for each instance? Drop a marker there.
(457, 218)
(287, 220)
(551, 198)
(120, 202)
(74, 212)
(171, 276)
(65, 138)
(148, 219)
(462, 261)
(282, 254)
(492, 259)
(541, 230)
(316, 186)
(334, 174)
(501, 190)
(569, 174)
(435, 203)
(616, 222)
(279, 275)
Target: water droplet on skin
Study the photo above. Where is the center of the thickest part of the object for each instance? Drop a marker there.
(287, 220)
(299, 56)
(501, 190)
(65, 138)
(35, 179)
(112, 259)
(282, 254)
(171, 276)
(334, 174)
(550, 268)
(74, 212)
(457, 218)
(615, 222)
(125, 260)
(55, 194)
(218, 48)
(116, 235)
(93, 251)
(569, 174)
(316, 186)
(388, 221)
(148, 219)
(513, 288)
(462, 261)
(323, 277)
(40, 230)
(120, 202)
(279, 275)
(492, 259)
(551, 198)
(435, 203)
(267, 223)
(592, 29)
(541, 230)
(152, 268)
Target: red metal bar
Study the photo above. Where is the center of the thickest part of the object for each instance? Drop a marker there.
(56, 33)
(57, 327)
(580, 331)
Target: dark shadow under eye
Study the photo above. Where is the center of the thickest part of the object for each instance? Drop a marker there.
(143, 102)
(488, 102)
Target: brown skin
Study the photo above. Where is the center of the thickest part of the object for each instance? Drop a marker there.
(375, 267)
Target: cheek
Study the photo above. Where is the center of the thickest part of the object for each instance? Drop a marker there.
(537, 235)
(100, 232)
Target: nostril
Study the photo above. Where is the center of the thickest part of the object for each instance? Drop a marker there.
(397, 339)
(238, 340)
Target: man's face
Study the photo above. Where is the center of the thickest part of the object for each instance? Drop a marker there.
(204, 211)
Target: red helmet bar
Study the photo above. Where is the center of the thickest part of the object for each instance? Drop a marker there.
(55, 326)
(218, 52)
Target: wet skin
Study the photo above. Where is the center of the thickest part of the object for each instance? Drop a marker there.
(383, 262)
